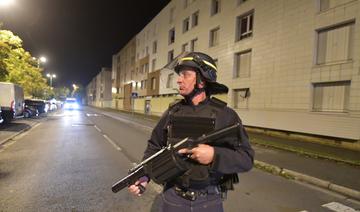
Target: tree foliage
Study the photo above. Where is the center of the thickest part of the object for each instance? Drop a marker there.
(17, 66)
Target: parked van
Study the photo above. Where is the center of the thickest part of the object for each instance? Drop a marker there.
(11, 101)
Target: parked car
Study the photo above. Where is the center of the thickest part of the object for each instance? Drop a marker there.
(30, 111)
(11, 101)
(71, 104)
(39, 105)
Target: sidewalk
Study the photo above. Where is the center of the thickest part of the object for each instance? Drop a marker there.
(300, 160)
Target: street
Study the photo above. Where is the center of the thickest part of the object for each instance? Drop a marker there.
(69, 161)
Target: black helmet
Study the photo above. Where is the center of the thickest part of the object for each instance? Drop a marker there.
(206, 67)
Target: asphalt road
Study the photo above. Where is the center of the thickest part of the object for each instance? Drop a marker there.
(69, 161)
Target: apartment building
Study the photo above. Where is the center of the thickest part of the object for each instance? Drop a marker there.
(98, 91)
(290, 65)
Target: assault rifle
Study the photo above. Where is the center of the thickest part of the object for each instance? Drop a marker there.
(166, 164)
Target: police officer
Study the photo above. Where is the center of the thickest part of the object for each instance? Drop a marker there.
(213, 168)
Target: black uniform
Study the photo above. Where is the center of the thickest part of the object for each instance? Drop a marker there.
(233, 155)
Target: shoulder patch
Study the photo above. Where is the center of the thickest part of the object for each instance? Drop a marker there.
(217, 102)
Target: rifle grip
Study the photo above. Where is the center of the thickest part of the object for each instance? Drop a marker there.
(142, 188)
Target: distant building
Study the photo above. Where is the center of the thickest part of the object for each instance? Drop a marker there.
(98, 91)
(290, 65)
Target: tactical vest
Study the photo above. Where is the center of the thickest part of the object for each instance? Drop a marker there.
(185, 121)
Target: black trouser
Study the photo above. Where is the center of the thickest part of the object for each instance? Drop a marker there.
(207, 200)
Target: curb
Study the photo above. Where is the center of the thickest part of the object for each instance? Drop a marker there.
(4, 141)
(286, 173)
(307, 179)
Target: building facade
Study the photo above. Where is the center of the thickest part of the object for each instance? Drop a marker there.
(289, 65)
(98, 91)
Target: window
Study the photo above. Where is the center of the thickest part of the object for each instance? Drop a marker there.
(146, 67)
(170, 56)
(171, 15)
(171, 35)
(241, 97)
(335, 44)
(328, 4)
(244, 26)
(332, 96)
(143, 84)
(170, 80)
(195, 19)
(214, 37)
(193, 46)
(186, 3)
(154, 50)
(146, 51)
(153, 83)
(153, 64)
(186, 24)
(242, 64)
(185, 47)
(215, 7)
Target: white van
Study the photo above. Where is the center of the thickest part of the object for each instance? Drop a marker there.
(11, 100)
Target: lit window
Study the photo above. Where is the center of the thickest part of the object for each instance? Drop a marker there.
(244, 26)
(242, 64)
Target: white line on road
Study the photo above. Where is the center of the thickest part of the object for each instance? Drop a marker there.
(112, 142)
(338, 207)
(98, 129)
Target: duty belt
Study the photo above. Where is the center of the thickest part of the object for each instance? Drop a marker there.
(193, 194)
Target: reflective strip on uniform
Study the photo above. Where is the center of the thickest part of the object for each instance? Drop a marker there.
(206, 62)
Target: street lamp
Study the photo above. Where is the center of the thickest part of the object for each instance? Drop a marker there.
(51, 76)
(6, 2)
(39, 60)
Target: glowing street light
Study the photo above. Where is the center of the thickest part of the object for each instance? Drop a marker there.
(6, 2)
(51, 76)
(39, 60)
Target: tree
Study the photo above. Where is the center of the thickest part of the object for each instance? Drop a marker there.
(17, 66)
(61, 92)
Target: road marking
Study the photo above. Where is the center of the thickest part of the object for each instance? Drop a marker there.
(338, 207)
(92, 114)
(98, 129)
(112, 142)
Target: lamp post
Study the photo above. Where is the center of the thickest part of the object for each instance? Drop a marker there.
(51, 76)
(39, 60)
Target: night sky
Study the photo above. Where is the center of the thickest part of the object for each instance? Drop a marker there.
(77, 36)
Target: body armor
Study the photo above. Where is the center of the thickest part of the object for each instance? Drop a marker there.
(187, 122)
